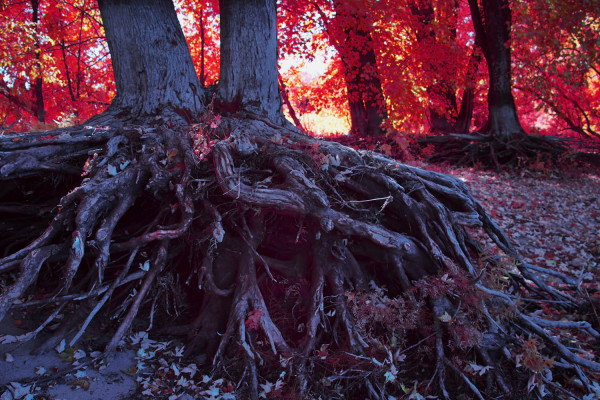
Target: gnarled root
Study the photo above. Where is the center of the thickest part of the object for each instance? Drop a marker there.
(487, 150)
(336, 265)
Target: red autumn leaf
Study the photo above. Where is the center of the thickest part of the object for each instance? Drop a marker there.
(253, 320)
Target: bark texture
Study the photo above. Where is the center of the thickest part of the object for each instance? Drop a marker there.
(151, 60)
(248, 80)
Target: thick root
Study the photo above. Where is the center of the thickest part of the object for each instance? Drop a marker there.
(334, 264)
(485, 149)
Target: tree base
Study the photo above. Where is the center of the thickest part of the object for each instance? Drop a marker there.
(486, 150)
(342, 267)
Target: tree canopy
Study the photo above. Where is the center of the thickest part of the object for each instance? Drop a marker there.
(555, 76)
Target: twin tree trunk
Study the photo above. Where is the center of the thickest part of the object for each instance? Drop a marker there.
(249, 40)
(154, 70)
(151, 61)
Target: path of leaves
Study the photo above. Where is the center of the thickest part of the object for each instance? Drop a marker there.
(554, 221)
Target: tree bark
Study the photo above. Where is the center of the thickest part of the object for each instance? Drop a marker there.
(38, 84)
(286, 99)
(454, 119)
(492, 24)
(248, 79)
(152, 64)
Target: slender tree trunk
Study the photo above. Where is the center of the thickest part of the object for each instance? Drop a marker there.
(492, 24)
(441, 119)
(38, 83)
(371, 88)
(202, 73)
(152, 64)
(465, 115)
(288, 103)
(248, 79)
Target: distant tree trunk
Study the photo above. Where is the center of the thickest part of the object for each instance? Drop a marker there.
(248, 41)
(202, 73)
(38, 83)
(439, 121)
(465, 115)
(363, 83)
(153, 68)
(492, 24)
(288, 103)
(441, 92)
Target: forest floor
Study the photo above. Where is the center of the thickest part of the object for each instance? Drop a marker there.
(553, 218)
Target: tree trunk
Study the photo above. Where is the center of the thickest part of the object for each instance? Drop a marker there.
(248, 80)
(38, 84)
(286, 100)
(354, 42)
(465, 115)
(492, 24)
(441, 92)
(440, 121)
(503, 142)
(152, 64)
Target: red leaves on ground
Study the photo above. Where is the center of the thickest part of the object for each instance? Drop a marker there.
(253, 320)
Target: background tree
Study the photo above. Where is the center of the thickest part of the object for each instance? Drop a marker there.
(54, 62)
(350, 33)
(506, 141)
(296, 254)
(347, 28)
(492, 24)
(558, 72)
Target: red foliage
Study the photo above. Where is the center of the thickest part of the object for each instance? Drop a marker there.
(253, 320)
(56, 69)
(54, 62)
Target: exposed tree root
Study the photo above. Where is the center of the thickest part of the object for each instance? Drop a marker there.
(487, 150)
(350, 266)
